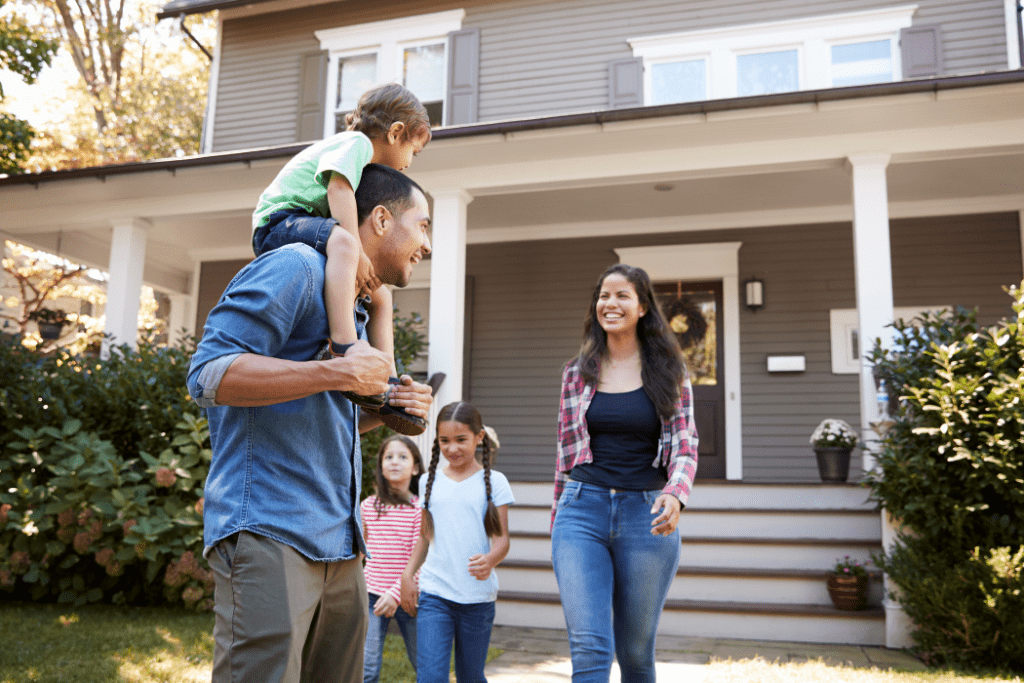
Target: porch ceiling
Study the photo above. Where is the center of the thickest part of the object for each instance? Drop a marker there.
(952, 152)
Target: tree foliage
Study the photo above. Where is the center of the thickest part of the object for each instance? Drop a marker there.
(24, 51)
(951, 472)
(141, 91)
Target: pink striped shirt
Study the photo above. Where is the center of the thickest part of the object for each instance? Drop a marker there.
(389, 544)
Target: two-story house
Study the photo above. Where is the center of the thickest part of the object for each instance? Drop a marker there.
(805, 172)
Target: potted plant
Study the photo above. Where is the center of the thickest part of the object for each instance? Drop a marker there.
(50, 322)
(848, 584)
(833, 441)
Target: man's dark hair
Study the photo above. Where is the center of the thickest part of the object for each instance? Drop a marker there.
(383, 186)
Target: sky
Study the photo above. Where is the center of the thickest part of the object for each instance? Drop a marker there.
(28, 102)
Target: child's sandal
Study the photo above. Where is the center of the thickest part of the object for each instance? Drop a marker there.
(332, 350)
(397, 418)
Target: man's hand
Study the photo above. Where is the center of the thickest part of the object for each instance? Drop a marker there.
(413, 396)
(367, 281)
(363, 370)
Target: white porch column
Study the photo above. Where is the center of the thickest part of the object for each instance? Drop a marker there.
(873, 274)
(179, 323)
(127, 259)
(448, 291)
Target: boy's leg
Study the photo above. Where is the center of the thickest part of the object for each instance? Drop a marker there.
(265, 597)
(334, 650)
(376, 631)
(435, 629)
(473, 625)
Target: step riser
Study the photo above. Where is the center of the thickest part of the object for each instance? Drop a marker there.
(733, 496)
(727, 555)
(697, 523)
(808, 629)
(757, 590)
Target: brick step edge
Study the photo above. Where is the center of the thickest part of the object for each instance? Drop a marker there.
(777, 609)
(735, 572)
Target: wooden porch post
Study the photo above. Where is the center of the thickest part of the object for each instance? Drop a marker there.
(127, 260)
(448, 291)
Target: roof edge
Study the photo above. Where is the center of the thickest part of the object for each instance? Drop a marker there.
(549, 122)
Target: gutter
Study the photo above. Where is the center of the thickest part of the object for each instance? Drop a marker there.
(929, 85)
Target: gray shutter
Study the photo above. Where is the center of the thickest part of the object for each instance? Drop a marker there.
(462, 101)
(312, 96)
(921, 48)
(626, 83)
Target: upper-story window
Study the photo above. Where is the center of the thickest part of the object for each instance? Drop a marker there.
(758, 59)
(411, 51)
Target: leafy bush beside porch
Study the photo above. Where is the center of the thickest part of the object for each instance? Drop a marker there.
(951, 471)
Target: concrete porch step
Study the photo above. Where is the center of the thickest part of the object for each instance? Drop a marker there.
(720, 619)
(754, 586)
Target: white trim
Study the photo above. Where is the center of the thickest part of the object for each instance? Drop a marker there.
(711, 261)
(387, 40)
(843, 323)
(743, 219)
(810, 36)
(1012, 39)
(211, 91)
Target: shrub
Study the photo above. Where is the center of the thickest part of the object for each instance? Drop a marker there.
(951, 470)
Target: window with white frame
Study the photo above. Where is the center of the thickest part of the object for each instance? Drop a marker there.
(411, 51)
(757, 59)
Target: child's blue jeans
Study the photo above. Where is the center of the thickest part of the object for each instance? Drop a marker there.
(438, 623)
(292, 226)
(376, 630)
(613, 578)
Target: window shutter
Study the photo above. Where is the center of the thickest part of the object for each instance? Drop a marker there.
(626, 83)
(921, 48)
(462, 99)
(312, 96)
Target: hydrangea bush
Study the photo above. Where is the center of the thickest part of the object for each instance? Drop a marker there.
(832, 433)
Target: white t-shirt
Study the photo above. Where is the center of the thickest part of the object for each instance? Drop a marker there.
(458, 510)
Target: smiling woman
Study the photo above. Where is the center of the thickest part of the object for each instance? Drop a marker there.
(627, 456)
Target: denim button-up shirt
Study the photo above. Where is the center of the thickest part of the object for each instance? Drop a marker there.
(289, 471)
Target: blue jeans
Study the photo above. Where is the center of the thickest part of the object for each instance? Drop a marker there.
(376, 630)
(441, 621)
(613, 577)
(292, 226)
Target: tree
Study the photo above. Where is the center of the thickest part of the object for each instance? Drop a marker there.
(129, 68)
(24, 51)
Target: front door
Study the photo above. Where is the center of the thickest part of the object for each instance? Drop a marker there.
(689, 306)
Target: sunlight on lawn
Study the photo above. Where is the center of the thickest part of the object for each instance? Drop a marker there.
(817, 671)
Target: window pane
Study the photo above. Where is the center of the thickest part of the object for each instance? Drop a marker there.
(356, 75)
(678, 82)
(767, 72)
(859, 63)
(424, 72)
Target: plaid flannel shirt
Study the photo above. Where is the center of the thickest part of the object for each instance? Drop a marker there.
(677, 446)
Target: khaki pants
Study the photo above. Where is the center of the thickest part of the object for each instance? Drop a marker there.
(281, 617)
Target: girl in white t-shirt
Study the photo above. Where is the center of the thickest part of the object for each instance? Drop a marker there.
(464, 537)
(391, 527)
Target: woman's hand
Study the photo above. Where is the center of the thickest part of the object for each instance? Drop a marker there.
(665, 523)
(480, 566)
(385, 606)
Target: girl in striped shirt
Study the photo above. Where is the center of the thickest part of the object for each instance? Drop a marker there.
(391, 526)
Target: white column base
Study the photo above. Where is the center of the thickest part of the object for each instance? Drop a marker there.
(127, 260)
(898, 627)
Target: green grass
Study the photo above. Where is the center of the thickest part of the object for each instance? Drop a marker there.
(105, 644)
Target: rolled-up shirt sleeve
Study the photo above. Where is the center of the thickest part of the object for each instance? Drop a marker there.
(257, 314)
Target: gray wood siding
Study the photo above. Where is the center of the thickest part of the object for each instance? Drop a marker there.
(530, 298)
(538, 57)
(214, 277)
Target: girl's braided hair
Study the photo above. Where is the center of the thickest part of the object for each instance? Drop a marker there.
(465, 413)
(385, 494)
(381, 107)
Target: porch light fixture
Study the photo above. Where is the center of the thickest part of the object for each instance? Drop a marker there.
(755, 293)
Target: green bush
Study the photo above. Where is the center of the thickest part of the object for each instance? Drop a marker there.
(951, 470)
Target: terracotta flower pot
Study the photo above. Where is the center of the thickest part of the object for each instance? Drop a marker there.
(848, 591)
(833, 464)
